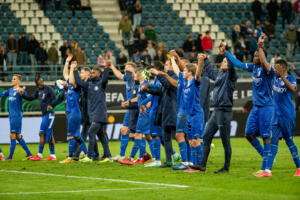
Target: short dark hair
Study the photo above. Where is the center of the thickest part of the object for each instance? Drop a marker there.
(87, 69)
(97, 69)
(282, 63)
(158, 65)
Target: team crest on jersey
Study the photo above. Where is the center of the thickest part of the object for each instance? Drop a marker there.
(258, 72)
(96, 88)
(14, 94)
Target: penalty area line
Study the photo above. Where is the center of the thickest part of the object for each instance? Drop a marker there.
(82, 191)
(96, 178)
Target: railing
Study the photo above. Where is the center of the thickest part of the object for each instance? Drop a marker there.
(54, 72)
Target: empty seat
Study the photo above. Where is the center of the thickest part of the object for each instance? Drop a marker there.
(192, 13)
(25, 21)
(29, 13)
(88, 13)
(99, 29)
(34, 6)
(74, 21)
(39, 13)
(101, 44)
(84, 21)
(56, 36)
(86, 36)
(183, 13)
(19, 14)
(93, 21)
(60, 28)
(196, 28)
(14, 6)
(97, 51)
(46, 36)
(176, 6)
(80, 29)
(45, 21)
(30, 29)
(70, 28)
(198, 21)
(64, 21)
(95, 36)
(75, 36)
(20, 29)
(185, 7)
(24, 6)
(50, 29)
(189, 21)
(14, 21)
(40, 29)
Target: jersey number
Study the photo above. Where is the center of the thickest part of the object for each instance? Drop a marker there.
(52, 120)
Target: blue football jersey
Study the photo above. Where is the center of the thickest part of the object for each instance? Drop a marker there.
(180, 85)
(129, 82)
(14, 102)
(283, 97)
(191, 96)
(73, 97)
(141, 95)
(154, 99)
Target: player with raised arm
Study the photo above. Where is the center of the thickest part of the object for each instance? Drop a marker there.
(259, 122)
(45, 94)
(73, 113)
(15, 117)
(125, 132)
(284, 117)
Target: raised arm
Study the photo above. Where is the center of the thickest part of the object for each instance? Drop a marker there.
(78, 80)
(154, 89)
(261, 53)
(211, 72)
(201, 58)
(116, 72)
(29, 97)
(105, 76)
(180, 63)
(66, 67)
(164, 78)
(175, 66)
(71, 76)
(238, 63)
(172, 81)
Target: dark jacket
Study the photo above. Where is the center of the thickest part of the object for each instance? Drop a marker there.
(32, 46)
(198, 45)
(286, 8)
(133, 107)
(205, 95)
(84, 105)
(224, 85)
(96, 96)
(256, 7)
(11, 44)
(41, 55)
(167, 111)
(62, 50)
(188, 46)
(146, 59)
(220, 58)
(46, 97)
(23, 44)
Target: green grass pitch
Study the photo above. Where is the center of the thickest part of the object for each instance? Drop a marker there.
(51, 180)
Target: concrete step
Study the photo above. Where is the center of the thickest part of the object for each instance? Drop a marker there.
(113, 9)
(109, 24)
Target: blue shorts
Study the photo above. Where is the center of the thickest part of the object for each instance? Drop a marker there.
(195, 126)
(47, 126)
(282, 127)
(259, 121)
(126, 118)
(143, 124)
(181, 122)
(15, 124)
(74, 120)
(156, 131)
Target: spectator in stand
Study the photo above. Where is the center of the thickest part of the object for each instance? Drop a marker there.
(57, 4)
(297, 12)
(137, 14)
(86, 4)
(73, 47)
(179, 51)
(33, 44)
(137, 56)
(63, 50)
(129, 7)
(249, 28)
(2, 63)
(269, 29)
(79, 56)
(146, 58)
(131, 49)
(11, 47)
(207, 43)
(258, 29)
(41, 56)
(235, 33)
(220, 57)
(121, 59)
(275, 58)
(125, 27)
(253, 44)
(23, 49)
(239, 48)
(198, 43)
(188, 45)
(75, 5)
(138, 31)
(52, 55)
(291, 37)
(160, 56)
(150, 33)
(101, 59)
(44, 5)
(122, 4)
(193, 57)
(256, 9)
(273, 9)
(286, 12)
(69, 53)
(160, 46)
(141, 44)
(109, 56)
(151, 50)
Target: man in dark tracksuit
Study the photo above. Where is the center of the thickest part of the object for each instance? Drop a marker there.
(225, 81)
(205, 95)
(96, 108)
(167, 111)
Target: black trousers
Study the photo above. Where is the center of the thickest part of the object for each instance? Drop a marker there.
(168, 131)
(219, 120)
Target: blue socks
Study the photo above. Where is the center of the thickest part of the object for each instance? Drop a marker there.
(294, 151)
(72, 143)
(13, 143)
(150, 143)
(199, 153)
(194, 155)
(142, 147)
(156, 148)
(272, 154)
(24, 146)
(41, 148)
(124, 143)
(266, 152)
(183, 151)
(52, 149)
(134, 149)
(256, 144)
(0, 150)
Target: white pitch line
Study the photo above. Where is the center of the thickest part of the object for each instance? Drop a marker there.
(96, 178)
(82, 191)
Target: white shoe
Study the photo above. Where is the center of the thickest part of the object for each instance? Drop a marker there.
(118, 157)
